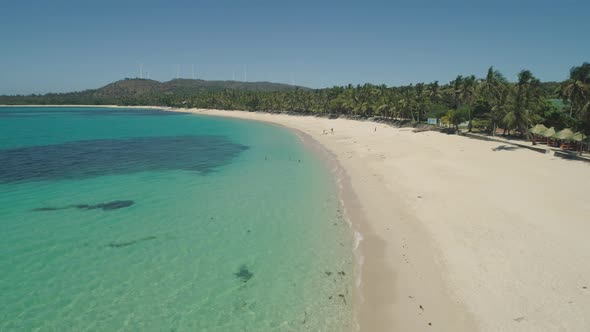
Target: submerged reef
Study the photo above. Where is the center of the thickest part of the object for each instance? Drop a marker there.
(108, 206)
(86, 159)
(132, 242)
(114, 205)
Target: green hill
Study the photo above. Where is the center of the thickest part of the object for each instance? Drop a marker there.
(144, 92)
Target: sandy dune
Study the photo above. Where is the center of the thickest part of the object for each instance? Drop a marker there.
(458, 233)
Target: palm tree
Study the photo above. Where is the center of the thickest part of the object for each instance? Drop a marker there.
(421, 101)
(407, 103)
(494, 90)
(492, 85)
(467, 94)
(576, 90)
(457, 85)
(526, 98)
(434, 91)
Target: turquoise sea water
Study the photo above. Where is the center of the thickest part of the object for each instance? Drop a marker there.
(126, 220)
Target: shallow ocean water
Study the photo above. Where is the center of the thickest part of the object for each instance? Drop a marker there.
(121, 220)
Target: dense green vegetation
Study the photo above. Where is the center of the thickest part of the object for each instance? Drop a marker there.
(144, 92)
(484, 103)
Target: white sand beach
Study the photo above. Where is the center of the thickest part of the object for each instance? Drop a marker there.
(459, 235)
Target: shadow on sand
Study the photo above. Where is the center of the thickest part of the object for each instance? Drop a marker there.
(505, 148)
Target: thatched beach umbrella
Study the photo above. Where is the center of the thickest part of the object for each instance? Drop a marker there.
(538, 129)
(548, 133)
(565, 135)
(579, 137)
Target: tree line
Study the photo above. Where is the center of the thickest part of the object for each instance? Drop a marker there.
(485, 104)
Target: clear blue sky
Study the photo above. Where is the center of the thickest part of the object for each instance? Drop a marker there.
(72, 45)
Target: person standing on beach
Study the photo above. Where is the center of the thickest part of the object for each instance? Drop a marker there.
(332, 129)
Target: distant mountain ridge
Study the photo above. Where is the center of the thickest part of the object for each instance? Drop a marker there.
(144, 91)
(183, 86)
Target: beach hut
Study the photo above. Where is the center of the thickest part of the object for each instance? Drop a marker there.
(580, 139)
(538, 129)
(548, 134)
(537, 132)
(565, 136)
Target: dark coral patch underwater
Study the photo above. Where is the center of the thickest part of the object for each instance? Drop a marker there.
(108, 206)
(100, 157)
(129, 243)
